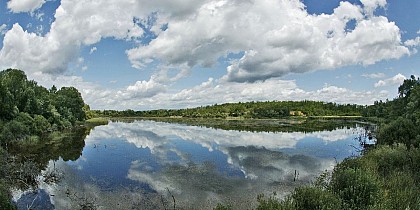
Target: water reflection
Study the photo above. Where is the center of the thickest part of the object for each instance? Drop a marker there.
(25, 161)
(144, 163)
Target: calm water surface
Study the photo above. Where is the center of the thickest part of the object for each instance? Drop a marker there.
(148, 165)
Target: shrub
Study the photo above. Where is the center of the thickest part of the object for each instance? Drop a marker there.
(401, 191)
(388, 159)
(401, 130)
(272, 203)
(314, 198)
(13, 130)
(358, 189)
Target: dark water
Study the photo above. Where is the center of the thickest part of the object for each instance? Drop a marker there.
(156, 165)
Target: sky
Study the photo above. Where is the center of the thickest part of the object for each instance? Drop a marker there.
(142, 54)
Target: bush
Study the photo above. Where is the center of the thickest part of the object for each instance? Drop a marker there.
(401, 130)
(358, 189)
(12, 131)
(314, 198)
(401, 192)
(387, 159)
(273, 203)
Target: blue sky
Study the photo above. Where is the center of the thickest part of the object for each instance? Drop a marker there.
(144, 54)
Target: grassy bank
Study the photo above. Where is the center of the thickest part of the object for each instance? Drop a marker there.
(97, 121)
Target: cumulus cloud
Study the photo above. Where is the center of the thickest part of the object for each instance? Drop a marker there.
(29, 51)
(271, 38)
(276, 37)
(77, 24)
(374, 75)
(395, 80)
(17, 6)
(142, 89)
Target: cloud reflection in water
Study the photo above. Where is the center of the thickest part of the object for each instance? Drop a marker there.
(199, 166)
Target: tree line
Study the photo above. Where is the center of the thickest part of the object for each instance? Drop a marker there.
(248, 110)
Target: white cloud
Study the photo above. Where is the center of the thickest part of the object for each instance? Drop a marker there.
(3, 29)
(92, 50)
(142, 89)
(395, 80)
(418, 32)
(17, 6)
(77, 24)
(413, 42)
(30, 52)
(277, 37)
(163, 74)
(374, 75)
(371, 5)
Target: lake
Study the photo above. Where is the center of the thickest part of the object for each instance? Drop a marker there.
(156, 165)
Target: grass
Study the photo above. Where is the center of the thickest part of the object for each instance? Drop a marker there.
(97, 121)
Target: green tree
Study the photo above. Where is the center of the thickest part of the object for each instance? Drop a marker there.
(404, 90)
(70, 104)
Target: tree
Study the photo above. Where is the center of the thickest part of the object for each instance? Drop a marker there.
(404, 90)
(69, 103)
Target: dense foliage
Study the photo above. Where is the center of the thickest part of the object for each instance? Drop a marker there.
(27, 109)
(255, 110)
